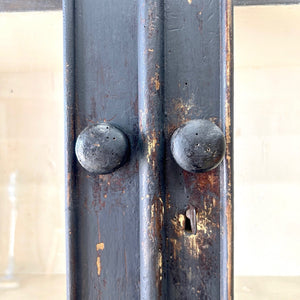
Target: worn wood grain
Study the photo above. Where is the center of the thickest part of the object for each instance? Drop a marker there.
(149, 73)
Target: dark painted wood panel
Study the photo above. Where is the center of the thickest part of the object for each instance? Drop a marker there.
(41, 5)
(103, 210)
(192, 91)
(126, 230)
(265, 2)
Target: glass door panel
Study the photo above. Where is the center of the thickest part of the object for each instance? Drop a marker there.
(32, 244)
(266, 152)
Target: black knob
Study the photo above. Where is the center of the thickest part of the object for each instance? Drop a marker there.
(198, 146)
(102, 148)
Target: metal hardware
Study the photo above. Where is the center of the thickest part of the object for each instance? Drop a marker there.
(102, 148)
(198, 146)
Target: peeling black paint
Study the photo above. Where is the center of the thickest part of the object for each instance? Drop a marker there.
(148, 66)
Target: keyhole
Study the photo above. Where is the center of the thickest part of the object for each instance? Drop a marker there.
(188, 226)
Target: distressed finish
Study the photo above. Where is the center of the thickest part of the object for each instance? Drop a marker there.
(198, 146)
(192, 91)
(151, 156)
(102, 210)
(102, 148)
(149, 230)
(42, 5)
(226, 168)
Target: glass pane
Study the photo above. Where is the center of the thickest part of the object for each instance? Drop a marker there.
(266, 152)
(32, 244)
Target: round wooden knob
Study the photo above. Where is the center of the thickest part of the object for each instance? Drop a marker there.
(198, 146)
(102, 148)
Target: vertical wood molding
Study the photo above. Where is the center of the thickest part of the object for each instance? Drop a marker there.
(70, 179)
(226, 195)
(151, 157)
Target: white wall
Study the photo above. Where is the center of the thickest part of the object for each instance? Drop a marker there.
(31, 140)
(267, 140)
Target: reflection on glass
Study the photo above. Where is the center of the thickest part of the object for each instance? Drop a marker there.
(267, 147)
(32, 247)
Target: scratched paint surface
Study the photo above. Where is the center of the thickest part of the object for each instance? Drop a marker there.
(192, 91)
(104, 228)
(104, 211)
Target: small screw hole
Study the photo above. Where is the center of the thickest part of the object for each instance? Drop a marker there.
(196, 133)
(114, 138)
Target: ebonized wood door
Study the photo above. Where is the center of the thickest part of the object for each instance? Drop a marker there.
(149, 229)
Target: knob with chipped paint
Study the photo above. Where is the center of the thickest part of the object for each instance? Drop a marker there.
(198, 146)
(102, 148)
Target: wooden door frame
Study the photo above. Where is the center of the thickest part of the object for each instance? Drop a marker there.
(42, 5)
(166, 99)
